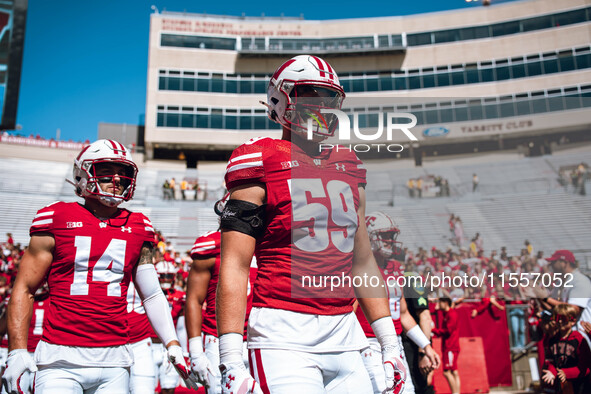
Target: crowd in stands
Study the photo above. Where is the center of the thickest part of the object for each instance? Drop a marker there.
(187, 189)
(428, 186)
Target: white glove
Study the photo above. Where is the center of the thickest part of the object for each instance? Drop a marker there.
(20, 368)
(237, 380)
(394, 369)
(235, 377)
(176, 358)
(200, 364)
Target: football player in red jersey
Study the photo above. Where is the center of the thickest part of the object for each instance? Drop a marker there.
(301, 211)
(383, 234)
(201, 324)
(89, 253)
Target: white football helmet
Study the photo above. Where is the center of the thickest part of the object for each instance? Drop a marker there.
(299, 89)
(166, 273)
(102, 152)
(383, 232)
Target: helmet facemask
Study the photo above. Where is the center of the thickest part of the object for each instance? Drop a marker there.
(89, 181)
(384, 243)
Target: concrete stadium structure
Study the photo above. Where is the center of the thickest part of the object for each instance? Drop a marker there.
(498, 77)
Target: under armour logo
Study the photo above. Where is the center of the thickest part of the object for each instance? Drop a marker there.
(340, 167)
(231, 378)
(124, 229)
(102, 224)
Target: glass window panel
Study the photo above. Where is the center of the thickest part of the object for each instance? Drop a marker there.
(383, 41)
(555, 104)
(550, 66)
(174, 83)
(187, 120)
(246, 86)
(202, 121)
(501, 29)
(419, 39)
(386, 83)
(461, 114)
(188, 84)
(446, 36)
(583, 61)
(245, 122)
(372, 120)
(491, 111)
(523, 108)
(442, 79)
(507, 110)
(260, 122)
(172, 120)
(476, 112)
(457, 78)
(428, 81)
(472, 75)
(202, 85)
(401, 83)
(231, 86)
(482, 32)
(539, 106)
(217, 85)
(534, 68)
(487, 75)
(216, 119)
(572, 102)
(162, 83)
(568, 18)
(372, 84)
(518, 71)
(357, 85)
(542, 22)
(446, 115)
(567, 63)
(160, 120)
(260, 86)
(431, 117)
(503, 73)
(414, 82)
(467, 33)
(346, 83)
(231, 122)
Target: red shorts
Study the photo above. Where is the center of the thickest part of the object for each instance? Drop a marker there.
(450, 360)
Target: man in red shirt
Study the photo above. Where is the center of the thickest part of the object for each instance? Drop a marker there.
(450, 347)
(89, 253)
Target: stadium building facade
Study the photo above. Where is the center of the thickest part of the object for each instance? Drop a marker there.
(511, 75)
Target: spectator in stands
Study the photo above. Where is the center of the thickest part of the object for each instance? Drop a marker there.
(567, 360)
(475, 182)
(479, 242)
(166, 194)
(449, 331)
(578, 294)
(445, 188)
(458, 231)
(411, 187)
(419, 187)
(184, 187)
(9, 239)
(173, 188)
(529, 248)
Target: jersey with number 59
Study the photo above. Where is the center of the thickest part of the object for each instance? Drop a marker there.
(310, 220)
(90, 273)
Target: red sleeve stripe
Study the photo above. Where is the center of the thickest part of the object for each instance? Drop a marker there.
(244, 165)
(42, 214)
(41, 222)
(247, 156)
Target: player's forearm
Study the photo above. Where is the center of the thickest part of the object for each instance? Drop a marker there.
(231, 302)
(407, 321)
(193, 317)
(425, 322)
(20, 310)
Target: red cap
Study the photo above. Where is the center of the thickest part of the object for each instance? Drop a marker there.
(562, 254)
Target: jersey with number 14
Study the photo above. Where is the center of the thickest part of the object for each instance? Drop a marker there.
(90, 273)
(310, 223)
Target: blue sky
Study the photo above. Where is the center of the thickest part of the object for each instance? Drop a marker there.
(85, 62)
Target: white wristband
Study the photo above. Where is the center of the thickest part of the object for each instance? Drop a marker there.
(416, 335)
(231, 348)
(385, 331)
(196, 346)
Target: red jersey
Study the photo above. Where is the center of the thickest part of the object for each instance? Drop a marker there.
(40, 310)
(88, 279)
(139, 325)
(176, 302)
(206, 246)
(393, 270)
(449, 331)
(310, 222)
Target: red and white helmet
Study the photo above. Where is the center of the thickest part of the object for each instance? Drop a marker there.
(383, 232)
(166, 273)
(101, 152)
(299, 89)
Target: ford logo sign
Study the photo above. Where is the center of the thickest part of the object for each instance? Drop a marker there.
(438, 131)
